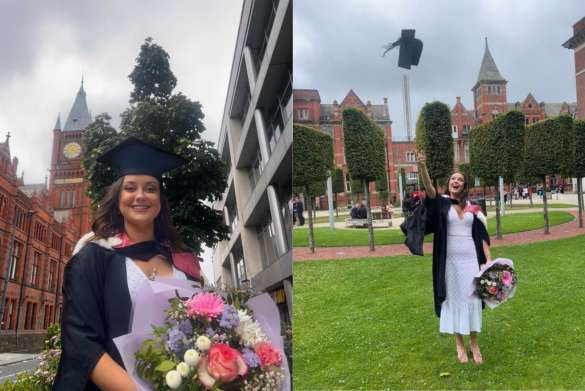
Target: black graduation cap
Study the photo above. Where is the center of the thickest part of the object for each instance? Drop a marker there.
(135, 157)
(410, 49)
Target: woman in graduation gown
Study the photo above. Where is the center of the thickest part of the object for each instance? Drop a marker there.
(132, 240)
(460, 247)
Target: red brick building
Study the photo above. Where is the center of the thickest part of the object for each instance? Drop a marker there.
(309, 110)
(39, 227)
(577, 43)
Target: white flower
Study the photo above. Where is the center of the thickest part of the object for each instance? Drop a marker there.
(191, 357)
(249, 330)
(173, 379)
(203, 343)
(482, 282)
(183, 369)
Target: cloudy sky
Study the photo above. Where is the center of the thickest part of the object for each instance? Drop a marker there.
(337, 46)
(46, 46)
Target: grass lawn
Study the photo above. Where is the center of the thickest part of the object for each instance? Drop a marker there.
(340, 237)
(369, 324)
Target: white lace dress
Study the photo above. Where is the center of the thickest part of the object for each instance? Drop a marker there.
(460, 313)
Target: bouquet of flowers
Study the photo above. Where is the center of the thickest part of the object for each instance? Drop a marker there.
(496, 282)
(208, 340)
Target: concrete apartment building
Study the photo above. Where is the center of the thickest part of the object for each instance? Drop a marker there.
(256, 144)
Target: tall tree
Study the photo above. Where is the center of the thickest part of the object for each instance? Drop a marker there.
(496, 150)
(365, 155)
(312, 163)
(172, 122)
(549, 150)
(580, 164)
(433, 136)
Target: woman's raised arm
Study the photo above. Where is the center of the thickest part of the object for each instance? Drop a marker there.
(424, 174)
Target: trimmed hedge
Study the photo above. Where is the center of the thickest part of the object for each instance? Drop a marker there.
(433, 136)
(364, 146)
(496, 148)
(312, 158)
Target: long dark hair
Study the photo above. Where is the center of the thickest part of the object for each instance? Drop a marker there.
(464, 193)
(109, 221)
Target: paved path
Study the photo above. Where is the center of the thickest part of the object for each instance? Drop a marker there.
(557, 232)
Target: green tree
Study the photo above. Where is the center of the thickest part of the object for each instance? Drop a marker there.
(549, 150)
(580, 164)
(312, 163)
(496, 150)
(433, 137)
(172, 122)
(365, 155)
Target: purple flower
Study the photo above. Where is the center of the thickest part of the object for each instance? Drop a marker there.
(229, 317)
(251, 358)
(175, 340)
(185, 327)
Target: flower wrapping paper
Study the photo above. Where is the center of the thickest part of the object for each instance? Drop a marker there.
(153, 298)
(498, 261)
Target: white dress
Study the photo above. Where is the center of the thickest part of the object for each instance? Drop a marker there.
(136, 276)
(460, 313)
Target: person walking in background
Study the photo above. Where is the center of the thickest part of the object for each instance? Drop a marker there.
(298, 211)
(460, 247)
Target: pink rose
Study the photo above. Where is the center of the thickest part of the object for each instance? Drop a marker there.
(205, 304)
(222, 363)
(506, 278)
(268, 354)
(502, 296)
(493, 290)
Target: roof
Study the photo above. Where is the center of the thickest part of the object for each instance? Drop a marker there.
(577, 39)
(30, 190)
(58, 123)
(326, 111)
(79, 116)
(488, 70)
(307, 95)
(552, 109)
(352, 96)
(380, 113)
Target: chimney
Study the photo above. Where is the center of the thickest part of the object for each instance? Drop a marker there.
(458, 100)
(385, 100)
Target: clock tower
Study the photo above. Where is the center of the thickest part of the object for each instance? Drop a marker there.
(68, 185)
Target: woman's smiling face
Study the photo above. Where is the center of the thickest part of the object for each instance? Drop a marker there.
(140, 199)
(456, 184)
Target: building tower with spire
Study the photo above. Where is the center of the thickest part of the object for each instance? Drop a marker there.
(67, 185)
(489, 92)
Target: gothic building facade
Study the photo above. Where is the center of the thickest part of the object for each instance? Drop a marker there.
(39, 226)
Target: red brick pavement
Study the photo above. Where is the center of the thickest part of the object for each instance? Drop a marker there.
(557, 232)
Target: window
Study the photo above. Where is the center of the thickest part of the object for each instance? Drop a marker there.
(19, 220)
(466, 129)
(454, 131)
(34, 276)
(256, 169)
(303, 114)
(410, 157)
(52, 273)
(412, 175)
(16, 251)
(347, 183)
(267, 236)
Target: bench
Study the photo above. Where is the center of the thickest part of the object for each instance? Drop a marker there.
(363, 223)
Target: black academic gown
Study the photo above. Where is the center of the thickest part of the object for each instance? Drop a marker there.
(96, 310)
(437, 212)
